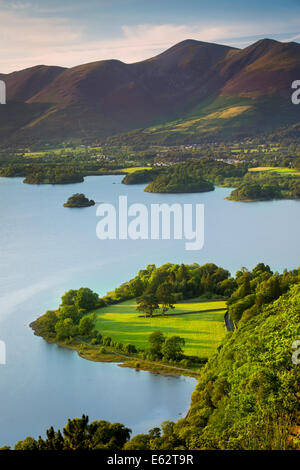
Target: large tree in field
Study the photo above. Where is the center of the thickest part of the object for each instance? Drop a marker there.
(165, 296)
(147, 303)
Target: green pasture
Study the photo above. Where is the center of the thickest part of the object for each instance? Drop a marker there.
(202, 331)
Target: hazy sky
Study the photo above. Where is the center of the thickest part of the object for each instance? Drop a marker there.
(72, 32)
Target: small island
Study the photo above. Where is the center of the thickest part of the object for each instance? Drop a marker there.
(79, 200)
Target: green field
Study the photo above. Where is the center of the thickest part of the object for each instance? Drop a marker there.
(136, 168)
(202, 332)
(271, 169)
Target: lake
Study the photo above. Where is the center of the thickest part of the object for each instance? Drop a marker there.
(47, 249)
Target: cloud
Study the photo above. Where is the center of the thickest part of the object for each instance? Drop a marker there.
(293, 38)
(26, 40)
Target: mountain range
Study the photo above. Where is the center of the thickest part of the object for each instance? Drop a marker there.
(192, 91)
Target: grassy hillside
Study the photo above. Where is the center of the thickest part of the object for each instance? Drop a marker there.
(202, 332)
(227, 117)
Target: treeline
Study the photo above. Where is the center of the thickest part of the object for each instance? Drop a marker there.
(180, 281)
(77, 435)
(57, 173)
(57, 176)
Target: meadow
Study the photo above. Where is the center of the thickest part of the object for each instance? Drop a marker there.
(202, 331)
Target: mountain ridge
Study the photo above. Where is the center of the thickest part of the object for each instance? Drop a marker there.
(107, 97)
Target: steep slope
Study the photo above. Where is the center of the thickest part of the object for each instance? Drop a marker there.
(255, 97)
(266, 67)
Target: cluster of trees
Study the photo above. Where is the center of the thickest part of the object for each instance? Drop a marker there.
(261, 186)
(79, 200)
(254, 192)
(71, 318)
(170, 283)
(165, 349)
(58, 175)
(79, 435)
(179, 181)
(257, 288)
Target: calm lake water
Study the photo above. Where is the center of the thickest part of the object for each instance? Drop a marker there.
(47, 249)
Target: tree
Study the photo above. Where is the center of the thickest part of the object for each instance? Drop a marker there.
(136, 287)
(54, 441)
(138, 442)
(147, 303)
(69, 297)
(182, 273)
(130, 348)
(65, 329)
(76, 434)
(106, 341)
(69, 311)
(86, 299)
(165, 296)
(86, 326)
(156, 340)
(172, 348)
(27, 444)
(106, 435)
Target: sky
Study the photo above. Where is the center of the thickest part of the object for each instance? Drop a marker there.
(73, 32)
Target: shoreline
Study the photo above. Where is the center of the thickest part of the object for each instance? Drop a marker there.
(92, 353)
